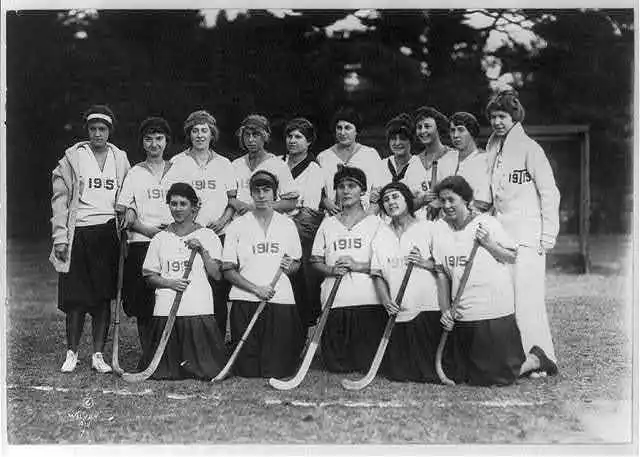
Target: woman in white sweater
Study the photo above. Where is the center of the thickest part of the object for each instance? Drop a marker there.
(526, 201)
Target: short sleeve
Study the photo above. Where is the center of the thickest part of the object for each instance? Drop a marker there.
(319, 242)
(286, 185)
(230, 183)
(152, 261)
(294, 248)
(212, 244)
(126, 197)
(231, 240)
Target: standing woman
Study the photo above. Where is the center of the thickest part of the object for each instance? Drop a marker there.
(85, 186)
(438, 159)
(212, 177)
(527, 201)
(401, 165)
(342, 248)
(309, 181)
(485, 339)
(410, 355)
(258, 244)
(196, 347)
(349, 152)
(144, 192)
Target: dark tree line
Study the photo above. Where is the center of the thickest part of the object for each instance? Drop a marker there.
(168, 63)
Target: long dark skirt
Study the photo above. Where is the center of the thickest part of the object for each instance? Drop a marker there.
(195, 348)
(138, 298)
(306, 287)
(220, 291)
(411, 352)
(91, 280)
(273, 347)
(351, 337)
(487, 352)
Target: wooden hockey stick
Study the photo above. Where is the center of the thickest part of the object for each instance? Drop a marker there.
(227, 368)
(295, 381)
(443, 339)
(115, 363)
(382, 347)
(432, 212)
(166, 332)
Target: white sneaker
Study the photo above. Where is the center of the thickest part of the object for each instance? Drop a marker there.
(98, 363)
(70, 362)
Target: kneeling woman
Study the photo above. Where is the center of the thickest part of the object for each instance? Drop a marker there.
(342, 248)
(196, 347)
(486, 339)
(410, 355)
(257, 245)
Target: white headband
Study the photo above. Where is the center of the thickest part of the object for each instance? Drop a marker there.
(103, 117)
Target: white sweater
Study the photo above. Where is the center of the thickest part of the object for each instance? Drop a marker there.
(524, 190)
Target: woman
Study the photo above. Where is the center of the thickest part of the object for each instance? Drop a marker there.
(342, 248)
(258, 244)
(526, 201)
(254, 134)
(403, 167)
(438, 159)
(410, 355)
(196, 347)
(349, 152)
(85, 187)
(144, 192)
(309, 181)
(212, 176)
(485, 340)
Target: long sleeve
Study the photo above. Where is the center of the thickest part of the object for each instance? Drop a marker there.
(60, 202)
(542, 175)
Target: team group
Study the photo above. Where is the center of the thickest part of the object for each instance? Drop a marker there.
(344, 231)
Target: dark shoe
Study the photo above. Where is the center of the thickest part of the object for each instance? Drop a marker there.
(546, 364)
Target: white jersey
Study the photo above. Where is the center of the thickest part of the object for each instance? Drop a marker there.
(146, 193)
(98, 188)
(475, 170)
(365, 158)
(214, 183)
(445, 166)
(168, 256)
(489, 292)
(415, 177)
(389, 259)
(333, 241)
(309, 180)
(272, 164)
(257, 254)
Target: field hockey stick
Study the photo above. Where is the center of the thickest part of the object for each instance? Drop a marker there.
(227, 368)
(382, 347)
(115, 363)
(166, 332)
(295, 381)
(443, 339)
(431, 212)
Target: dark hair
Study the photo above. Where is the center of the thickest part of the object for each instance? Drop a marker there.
(401, 124)
(100, 110)
(256, 122)
(404, 190)
(351, 173)
(442, 123)
(304, 126)
(264, 178)
(506, 101)
(467, 120)
(347, 114)
(456, 184)
(182, 189)
(155, 125)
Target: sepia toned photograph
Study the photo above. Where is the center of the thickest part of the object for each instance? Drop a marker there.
(294, 230)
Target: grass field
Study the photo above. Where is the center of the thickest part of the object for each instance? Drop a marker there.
(590, 402)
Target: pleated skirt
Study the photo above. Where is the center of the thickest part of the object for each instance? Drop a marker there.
(351, 337)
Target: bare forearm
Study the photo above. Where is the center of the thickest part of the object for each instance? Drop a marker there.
(235, 278)
(382, 290)
(500, 253)
(285, 205)
(444, 291)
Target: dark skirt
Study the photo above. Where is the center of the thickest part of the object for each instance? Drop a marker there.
(138, 299)
(351, 337)
(91, 281)
(487, 352)
(273, 347)
(195, 348)
(220, 289)
(306, 287)
(411, 352)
